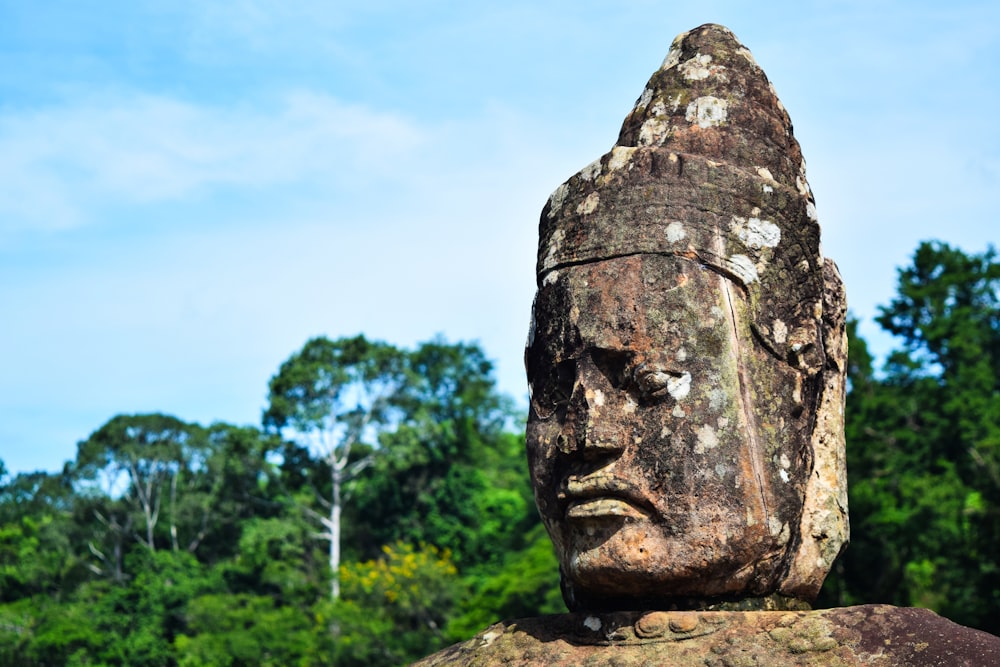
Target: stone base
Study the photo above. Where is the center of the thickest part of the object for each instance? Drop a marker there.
(864, 635)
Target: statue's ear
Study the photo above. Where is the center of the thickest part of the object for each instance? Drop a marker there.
(824, 530)
(834, 317)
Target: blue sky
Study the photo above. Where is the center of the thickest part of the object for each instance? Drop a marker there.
(193, 189)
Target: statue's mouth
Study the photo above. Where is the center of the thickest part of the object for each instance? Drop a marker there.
(604, 507)
(603, 495)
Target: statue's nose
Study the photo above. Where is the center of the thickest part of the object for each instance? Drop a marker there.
(596, 424)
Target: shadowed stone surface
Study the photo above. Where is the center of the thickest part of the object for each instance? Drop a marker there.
(876, 635)
(687, 353)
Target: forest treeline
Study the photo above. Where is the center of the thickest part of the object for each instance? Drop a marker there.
(382, 510)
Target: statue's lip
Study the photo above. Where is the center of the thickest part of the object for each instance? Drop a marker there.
(599, 495)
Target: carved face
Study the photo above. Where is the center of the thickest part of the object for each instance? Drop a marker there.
(655, 472)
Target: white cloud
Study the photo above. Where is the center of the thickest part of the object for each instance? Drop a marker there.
(60, 165)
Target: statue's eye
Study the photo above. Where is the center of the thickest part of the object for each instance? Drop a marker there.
(553, 390)
(651, 382)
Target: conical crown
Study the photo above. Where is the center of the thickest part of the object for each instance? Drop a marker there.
(705, 167)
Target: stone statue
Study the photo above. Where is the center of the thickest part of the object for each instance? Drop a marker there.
(687, 354)
(686, 362)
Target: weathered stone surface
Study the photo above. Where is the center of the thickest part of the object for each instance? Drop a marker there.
(687, 353)
(876, 635)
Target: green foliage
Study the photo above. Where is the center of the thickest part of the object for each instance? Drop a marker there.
(923, 442)
(526, 584)
(169, 543)
(395, 607)
(244, 629)
(338, 387)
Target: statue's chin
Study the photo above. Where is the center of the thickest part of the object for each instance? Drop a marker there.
(628, 557)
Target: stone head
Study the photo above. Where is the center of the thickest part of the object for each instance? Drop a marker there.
(686, 358)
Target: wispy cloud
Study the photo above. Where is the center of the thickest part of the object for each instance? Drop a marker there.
(61, 164)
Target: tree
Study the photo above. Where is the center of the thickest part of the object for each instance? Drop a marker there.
(143, 455)
(923, 444)
(395, 607)
(334, 397)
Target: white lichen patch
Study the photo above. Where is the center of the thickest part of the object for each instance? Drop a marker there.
(550, 278)
(779, 330)
(745, 52)
(717, 399)
(595, 397)
(592, 623)
(620, 156)
(644, 99)
(588, 205)
(801, 183)
(707, 111)
(654, 131)
(765, 173)
(678, 412)
(556, 200)
(721, 470)
(743, 268)
(679, 387)
(756, 233)
(675, 232)
(681, 355)
(555, 241)
(591, 171)
(811, 212)
(629, 406)
(707, 439)
(699, 67)
(674, 55)
(490, 637)
(783, 474)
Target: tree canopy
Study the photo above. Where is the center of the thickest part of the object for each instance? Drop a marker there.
(166, 542)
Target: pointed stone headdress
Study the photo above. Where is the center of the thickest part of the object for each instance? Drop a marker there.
(706, 167)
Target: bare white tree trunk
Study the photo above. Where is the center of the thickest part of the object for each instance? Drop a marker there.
(149, 498)
(336, 504)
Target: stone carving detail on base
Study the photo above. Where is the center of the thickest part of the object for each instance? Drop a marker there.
(876, 635)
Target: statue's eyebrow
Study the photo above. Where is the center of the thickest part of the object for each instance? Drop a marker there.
(707, 259)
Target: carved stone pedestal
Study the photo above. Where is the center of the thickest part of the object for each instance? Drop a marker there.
(878, 635)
